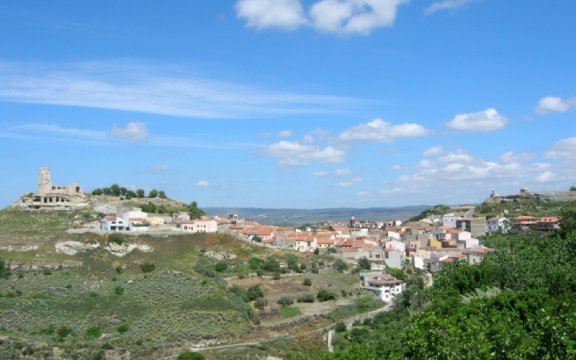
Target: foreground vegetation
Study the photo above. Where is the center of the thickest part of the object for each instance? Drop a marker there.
(517, 304)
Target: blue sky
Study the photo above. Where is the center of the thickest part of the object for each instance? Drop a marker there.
(290, 103)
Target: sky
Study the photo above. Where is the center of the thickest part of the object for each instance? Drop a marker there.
(290, 103)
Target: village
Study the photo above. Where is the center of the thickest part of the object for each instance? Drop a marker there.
(426, 245)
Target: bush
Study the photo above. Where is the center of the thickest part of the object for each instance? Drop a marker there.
(116, 239)
(364, 264)
(307, 282)
(119, 290)
(119, 269)
(325, 295)
(285, 301)
(122, 328)
(332, 250)
(221, 266)
(276, 276)
(260, 303)
(189, 355)
(340, 326)
(340, 265)
(308, 298)
(254, 292)
(147, 267)
(93, 333)
(63, 331)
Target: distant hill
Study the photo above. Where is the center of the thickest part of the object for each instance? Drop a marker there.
(291, 217)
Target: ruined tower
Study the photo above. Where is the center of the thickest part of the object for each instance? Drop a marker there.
(44, 182)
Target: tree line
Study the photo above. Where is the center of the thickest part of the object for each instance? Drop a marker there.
(121, 191)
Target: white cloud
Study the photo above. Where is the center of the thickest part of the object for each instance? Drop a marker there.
(285, 133)
(552, 104)
(424, 164)
(354, 16)
(59, 130)
(546, 176)
(343, 172)
(381, 131)
(203, 184)
(321, 173)
(350, 182)
(460, 156)
(563, 150)
(433, 151)
(515, 157)
(134, 131)
(449, 5)
(154, 89)
(342, 17)
(295, 154)
(261, 14)
(487, 120)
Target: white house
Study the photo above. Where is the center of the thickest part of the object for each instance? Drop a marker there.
(496, 224)
(199, 225)
(449, 220)
(114, 223)
(385, 286)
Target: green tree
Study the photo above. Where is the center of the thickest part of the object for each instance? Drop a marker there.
(153, 194)
(260, 303)
(364, 264)
(97, 191)
(140, 193)
(340, 265)
(285, 301)
(162, 194)
(325, 295)
(115, 189)
(194, 211)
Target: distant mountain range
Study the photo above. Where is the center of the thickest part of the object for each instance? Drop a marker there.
(297, 217)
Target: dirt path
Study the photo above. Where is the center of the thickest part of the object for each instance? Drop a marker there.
(327, 328)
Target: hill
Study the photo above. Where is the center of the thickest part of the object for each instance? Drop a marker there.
(296, 217)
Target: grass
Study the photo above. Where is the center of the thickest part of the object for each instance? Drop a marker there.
(289, 311)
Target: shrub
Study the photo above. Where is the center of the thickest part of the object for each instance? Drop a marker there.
(147, 267)
(122, 328)
(271, 265)
(119, 269)
(63, 331)
(307, 282)
(116, 239)
(119, 290)
(332, 250)
(93, 333)
(47, 272)
(221, 266)
(254, 292)
(260, 303)
(189, 355)
(285, 301)
(308, 298)
(340, 265)
(325, 295)
(340, 326)
(276, 276)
